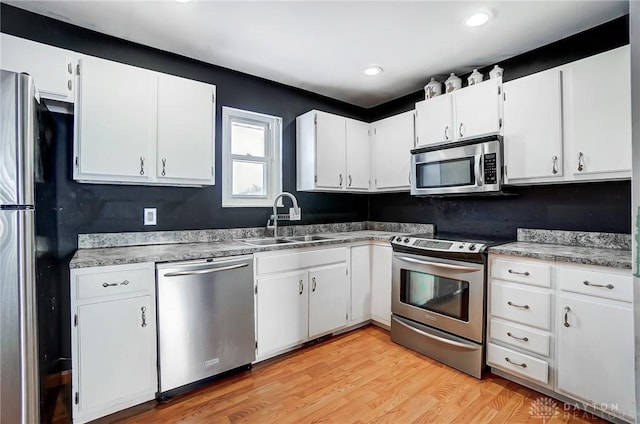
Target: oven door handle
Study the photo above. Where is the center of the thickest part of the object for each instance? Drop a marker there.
(438, 264)
(438, 338)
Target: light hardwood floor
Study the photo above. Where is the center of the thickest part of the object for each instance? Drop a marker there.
(359, 377)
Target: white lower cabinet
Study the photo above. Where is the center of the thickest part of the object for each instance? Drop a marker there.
(595, 345)
(571, 334)
(300, 295)
(113, 339)
(381, 283)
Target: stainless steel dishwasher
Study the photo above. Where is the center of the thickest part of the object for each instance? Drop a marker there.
(206, 320)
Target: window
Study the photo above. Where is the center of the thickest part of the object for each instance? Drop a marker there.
(251, 158)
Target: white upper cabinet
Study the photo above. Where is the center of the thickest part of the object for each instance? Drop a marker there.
(357, 148)
(598, 115)
(135, 126)
(333, 153)
(533, 126)
(51, 68)
(434, 120)
(392, 141)
(469, 112)
(477, 109)
(186, 128)
(115, 122)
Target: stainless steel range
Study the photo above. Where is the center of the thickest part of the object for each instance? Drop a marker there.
(439, 298)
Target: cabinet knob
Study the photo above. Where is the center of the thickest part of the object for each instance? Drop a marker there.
(566, 316)
(580, 162)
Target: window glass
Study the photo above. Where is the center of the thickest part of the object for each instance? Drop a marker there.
(248, 178)
(247, 139)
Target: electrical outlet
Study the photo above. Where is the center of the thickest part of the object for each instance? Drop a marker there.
(150, 216)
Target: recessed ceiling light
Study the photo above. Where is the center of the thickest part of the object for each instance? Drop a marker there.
(478, 19)
(373, 70)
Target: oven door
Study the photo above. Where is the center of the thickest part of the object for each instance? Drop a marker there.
(470, 168)
(440, 293)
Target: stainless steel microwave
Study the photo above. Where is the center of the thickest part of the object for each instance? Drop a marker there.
(466, 167)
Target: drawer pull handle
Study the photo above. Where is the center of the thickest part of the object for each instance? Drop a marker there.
(109, 284)
(515, 363)
(144, 316)
(566, 316)
(313, 288)
(523, 339)
(606, 286)
(526, 273)
(517, 306)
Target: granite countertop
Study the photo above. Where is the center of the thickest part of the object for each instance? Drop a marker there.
(602, 249)
(85, 258)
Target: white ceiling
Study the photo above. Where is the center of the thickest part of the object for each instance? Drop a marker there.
(324, 46)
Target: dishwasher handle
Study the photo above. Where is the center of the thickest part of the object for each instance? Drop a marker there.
(205, 271)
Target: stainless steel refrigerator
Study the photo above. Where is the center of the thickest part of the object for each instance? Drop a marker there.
(19, 374)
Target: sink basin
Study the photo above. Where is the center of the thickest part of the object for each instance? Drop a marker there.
(308, 238)
(266, 241)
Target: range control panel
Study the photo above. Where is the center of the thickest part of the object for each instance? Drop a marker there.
(439, 245)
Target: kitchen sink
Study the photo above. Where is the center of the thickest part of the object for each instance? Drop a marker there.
(267, 241)
(270, 241)
(308, 238)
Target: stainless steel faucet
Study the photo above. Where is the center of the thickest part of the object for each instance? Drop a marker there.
(295, 215)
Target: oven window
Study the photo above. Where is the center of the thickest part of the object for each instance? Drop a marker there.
(436, 294)
(446, 173)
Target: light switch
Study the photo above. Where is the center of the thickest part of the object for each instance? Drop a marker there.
(150, 216)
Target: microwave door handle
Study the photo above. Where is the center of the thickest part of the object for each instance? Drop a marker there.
(479, 170)
(439, 265)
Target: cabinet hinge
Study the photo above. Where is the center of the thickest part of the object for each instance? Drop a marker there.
(417, 141)
(78, 69)
(213, 97)
(505, 171)
(75, 320)
(256, 290)
(70, 68)
(77, 161)
(76, 398)
(499, 90)
(346, 316)
(346, 271)
(315, 178)
(256, 344)
(500, 123)
(375, 182)
(375, 131)
(212, 171)
(504, 96)
(315, 119)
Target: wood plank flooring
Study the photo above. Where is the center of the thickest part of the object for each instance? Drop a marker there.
(359, 377)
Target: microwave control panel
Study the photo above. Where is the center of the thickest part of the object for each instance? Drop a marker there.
(490, 168)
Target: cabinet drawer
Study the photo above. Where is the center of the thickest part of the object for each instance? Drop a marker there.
(521, 304)
(522, 365)
(299, 260)
(595, 283)
(537, 274)
(114, 282)
(519, 336)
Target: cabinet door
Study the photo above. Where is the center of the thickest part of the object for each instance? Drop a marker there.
(533, 126)
(186, 121)
(358, 158)
(393, 140)
(477, 109)
(282, 312)
(360, 309)
(50, 67)
(329, 291)
(596, 351)
(599, 113)
(115, 111)
(330, 150)
(381, 284)
(116, 353)
(434, 120)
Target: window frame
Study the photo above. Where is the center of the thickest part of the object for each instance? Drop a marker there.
(272, 159)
